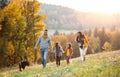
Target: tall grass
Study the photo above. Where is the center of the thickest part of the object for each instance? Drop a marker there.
(106, 64)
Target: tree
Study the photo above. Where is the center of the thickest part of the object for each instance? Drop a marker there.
(9, 24)
(56, 32)
(4, 3)
(90, 32)
(115, 40)
(72, 39)
(96, 32)
(19, 26)
(34, 22)
(102, 36)
(107, 46)
(94, 45)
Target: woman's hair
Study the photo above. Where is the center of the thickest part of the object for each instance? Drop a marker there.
(80, 33)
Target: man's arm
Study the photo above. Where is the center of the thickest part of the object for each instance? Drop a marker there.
(50, 44)
(38, 42)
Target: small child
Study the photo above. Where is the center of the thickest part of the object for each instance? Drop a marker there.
(58, 52)
(68, 52)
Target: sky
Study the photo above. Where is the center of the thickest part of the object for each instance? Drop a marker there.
(99, 6)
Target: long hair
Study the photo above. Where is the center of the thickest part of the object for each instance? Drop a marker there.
(80, 33)
(78, 36)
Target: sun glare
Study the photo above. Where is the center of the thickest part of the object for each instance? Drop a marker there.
(99, 6)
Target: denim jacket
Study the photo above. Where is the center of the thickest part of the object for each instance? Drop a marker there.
(44, 43)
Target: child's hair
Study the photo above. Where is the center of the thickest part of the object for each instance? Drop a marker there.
(69, 45)
(57, 44)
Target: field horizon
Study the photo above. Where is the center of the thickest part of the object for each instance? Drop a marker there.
(103, 64)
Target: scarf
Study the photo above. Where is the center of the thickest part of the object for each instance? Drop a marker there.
(45, 36)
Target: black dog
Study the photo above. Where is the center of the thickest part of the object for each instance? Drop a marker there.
(23, 63)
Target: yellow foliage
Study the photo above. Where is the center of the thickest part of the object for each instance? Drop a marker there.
(0, 27)
(9, 49)
(31, 51)
(60, 38)
(107, 46)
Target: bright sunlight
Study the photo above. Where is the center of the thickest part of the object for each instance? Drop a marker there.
(99, 6)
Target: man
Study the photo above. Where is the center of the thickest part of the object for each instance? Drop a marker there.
(44, 41)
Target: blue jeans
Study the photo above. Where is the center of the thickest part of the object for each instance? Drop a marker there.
(44, 53)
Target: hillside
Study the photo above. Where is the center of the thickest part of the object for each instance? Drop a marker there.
(105, 64)
(66, 18)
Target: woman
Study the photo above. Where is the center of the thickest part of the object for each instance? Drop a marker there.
(83, 45)
(58, 53)
(68, 52)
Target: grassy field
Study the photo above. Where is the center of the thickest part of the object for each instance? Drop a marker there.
(105, 64)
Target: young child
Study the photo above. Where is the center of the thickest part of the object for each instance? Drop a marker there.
(58, 52)
(68, 52)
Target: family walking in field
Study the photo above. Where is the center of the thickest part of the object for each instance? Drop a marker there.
(44, 41)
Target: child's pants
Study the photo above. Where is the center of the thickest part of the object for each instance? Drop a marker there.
(68, 59)
(58, 58)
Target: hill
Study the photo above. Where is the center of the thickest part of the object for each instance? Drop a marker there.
(105, 64)
(66, 18)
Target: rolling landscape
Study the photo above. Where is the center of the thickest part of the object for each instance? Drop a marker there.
(24, 22)
(59, 17)
(105, 64)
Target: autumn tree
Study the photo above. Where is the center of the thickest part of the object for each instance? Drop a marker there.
(34, 22)
(10, 17)
(107, 46)
(20, 24)
(94, 45)
(90, 32)
(115, 40)
(96, 32)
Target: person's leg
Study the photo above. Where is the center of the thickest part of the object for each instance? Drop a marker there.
(85, 51)
(20, 66)
(56, 60)
(81, 54)
(67, 59)
(42, 54)
(70, 60)
(59, 60)
(45, 57)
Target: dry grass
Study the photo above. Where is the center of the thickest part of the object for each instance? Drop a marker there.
(105, 64)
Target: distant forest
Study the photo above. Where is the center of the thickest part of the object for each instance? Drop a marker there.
(59, 17)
